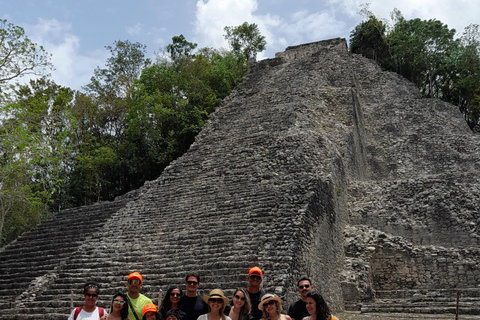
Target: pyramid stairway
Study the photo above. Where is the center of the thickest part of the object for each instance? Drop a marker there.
(318, 164)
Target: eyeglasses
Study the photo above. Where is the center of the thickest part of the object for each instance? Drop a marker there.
(215, 300)
(192, 283)
(137, 282)
(118, 301)
(174, 294)
(255, 277)
(239, 298)
(269, 303)
(305, 286)
(94, 295)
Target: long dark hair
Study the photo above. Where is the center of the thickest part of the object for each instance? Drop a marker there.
(167, 304)
(323, 311)
(247, 307)
(124, 311)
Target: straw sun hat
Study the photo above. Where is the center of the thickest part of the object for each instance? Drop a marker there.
(268, 297)
(216, 293)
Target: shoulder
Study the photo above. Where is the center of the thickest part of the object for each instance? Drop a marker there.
(144, 298)
(286, 317)
(202, 317)
(306, 318)
(333, 318)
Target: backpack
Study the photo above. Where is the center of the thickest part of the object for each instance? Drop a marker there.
(78, 309)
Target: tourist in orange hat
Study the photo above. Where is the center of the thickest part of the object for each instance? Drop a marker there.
(255, 278)
(136, 301)
(150, 312)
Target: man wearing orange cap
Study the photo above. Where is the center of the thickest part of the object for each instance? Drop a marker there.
(136, 301)
(255, 278)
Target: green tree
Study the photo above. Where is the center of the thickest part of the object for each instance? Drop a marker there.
(422, 52)
(369, 40)
(245, 39)
(19, 56)
(469, 75)
(180, 47)
(35, 152)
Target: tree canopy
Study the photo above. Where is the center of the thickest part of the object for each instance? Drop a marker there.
(19, 56)
(60, 148)
(246, 39)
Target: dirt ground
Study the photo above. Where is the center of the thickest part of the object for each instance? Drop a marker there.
(400, 316)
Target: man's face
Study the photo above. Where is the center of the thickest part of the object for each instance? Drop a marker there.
(254, 280)
(134, 285)
(304, 286)
(192, 284)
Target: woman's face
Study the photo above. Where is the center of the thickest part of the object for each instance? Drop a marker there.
(270, 307)
(238, 299)
(175, 296)
(90, 297)
(118, 303)
(150, 315)
(311, 306)
(215, 305)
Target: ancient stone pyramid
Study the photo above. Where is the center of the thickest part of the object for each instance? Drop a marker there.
(318, 164)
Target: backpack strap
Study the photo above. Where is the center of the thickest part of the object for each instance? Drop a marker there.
(101, 311)
(77, 311)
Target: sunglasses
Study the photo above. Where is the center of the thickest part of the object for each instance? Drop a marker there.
(215, 300)
(94, 295)
(255, 277)
(192, 283)
(137, 282)
(305, 286)
(174, 294)
(239, 298)
(269, 303)
(118, 301)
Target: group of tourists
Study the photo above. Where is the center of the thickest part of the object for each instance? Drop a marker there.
(252, 303)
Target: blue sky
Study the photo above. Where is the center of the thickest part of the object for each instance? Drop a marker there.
(76, 32)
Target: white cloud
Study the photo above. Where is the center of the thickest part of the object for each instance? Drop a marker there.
(213, 15)
(71, 68)
(136, 29)
(449, 12)
(305, 27)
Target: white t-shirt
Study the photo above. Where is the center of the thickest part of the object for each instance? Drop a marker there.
(83, 315)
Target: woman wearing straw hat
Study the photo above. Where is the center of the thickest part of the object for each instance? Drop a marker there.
(216, 302)
(271, 306)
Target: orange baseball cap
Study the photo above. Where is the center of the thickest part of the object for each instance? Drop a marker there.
(149, 307)
(255, 270)
(135, 275)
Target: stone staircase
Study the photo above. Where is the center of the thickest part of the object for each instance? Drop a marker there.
(318, 164)
(29, 265)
